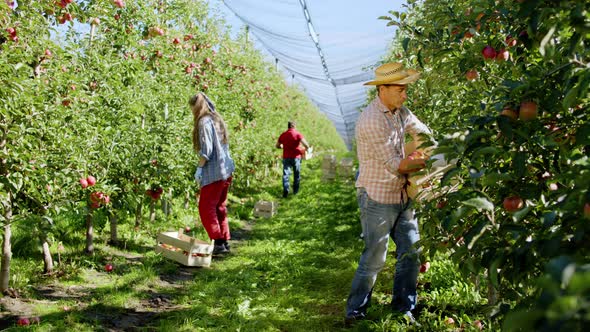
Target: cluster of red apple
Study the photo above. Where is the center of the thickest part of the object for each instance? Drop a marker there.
(155, 193)
(87, 182)
(98, 198)
(489, 53)
(12, 34)
(64, 3)
(155, 31)
(526, 112)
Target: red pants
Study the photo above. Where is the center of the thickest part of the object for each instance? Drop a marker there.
(213, 211)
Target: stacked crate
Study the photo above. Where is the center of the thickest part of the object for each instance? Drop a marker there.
(329, 168)
(346, 168)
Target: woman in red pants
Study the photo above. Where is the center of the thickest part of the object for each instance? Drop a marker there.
(214, 171)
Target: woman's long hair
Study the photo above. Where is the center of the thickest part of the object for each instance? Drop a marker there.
(200, 108)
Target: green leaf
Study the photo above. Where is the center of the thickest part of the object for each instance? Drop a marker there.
(485, 150)
(496, 178)
(449, 176)
(519, 163)
(476, 232)
(405, 43)
(546, 40)
(583, 134)
(493, 272)
(480, 203)
(570, 98)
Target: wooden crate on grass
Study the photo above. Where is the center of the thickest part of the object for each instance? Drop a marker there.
(265, 209)
(184, 249)
(328, 168)
(346, 168)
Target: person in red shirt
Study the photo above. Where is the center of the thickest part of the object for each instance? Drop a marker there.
(290, 142)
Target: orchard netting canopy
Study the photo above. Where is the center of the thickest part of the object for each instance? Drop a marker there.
(328, 47)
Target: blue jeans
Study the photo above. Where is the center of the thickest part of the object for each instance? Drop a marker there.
(380, 222)
(288, 164)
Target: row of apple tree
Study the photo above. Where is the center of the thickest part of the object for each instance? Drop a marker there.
(95, 113)
(506, 89)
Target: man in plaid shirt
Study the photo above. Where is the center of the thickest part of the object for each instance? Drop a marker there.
(386, 210)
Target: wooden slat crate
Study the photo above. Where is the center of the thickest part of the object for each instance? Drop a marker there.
(346, 168)
(184, 249)
(423, 182)
(328, 168)
(265, 209)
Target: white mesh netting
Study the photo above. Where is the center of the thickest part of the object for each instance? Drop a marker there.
(328, 47)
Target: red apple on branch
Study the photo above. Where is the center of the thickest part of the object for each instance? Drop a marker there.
(503, 55)
(513, 203)
(488, 52)
(83, 183)
(91, 180)
(528, 110)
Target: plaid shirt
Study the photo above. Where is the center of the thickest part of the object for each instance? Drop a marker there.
(219, 165)
(380, 138)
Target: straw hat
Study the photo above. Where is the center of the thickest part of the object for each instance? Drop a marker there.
(394, 73)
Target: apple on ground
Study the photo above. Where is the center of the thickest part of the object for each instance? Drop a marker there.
(108, 267)
(23, 321)
(449, 321)
(187, 229)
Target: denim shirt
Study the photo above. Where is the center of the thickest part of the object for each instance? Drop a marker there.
(219, 165)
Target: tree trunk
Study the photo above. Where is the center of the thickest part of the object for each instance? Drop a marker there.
(165, 207)
(114, 236)
(187, 198)
(6, 247)
(89, 233)
(138, 213)
(153, 210)
(168, 208)
(492, 294)
(47, 259)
